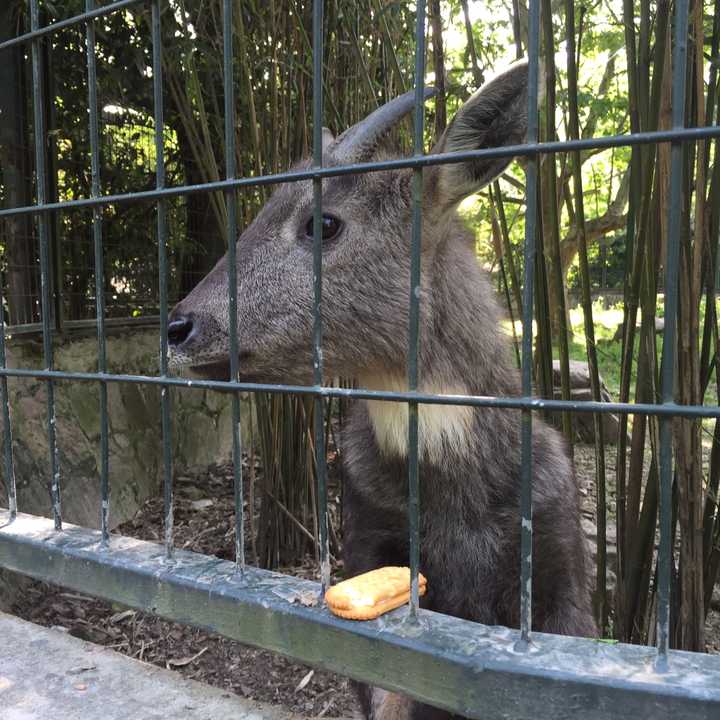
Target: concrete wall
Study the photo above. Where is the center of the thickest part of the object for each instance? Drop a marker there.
(201, 428)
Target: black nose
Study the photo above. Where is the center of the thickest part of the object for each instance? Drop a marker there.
(179, 330)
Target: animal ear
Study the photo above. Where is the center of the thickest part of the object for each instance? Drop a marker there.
(495, 116)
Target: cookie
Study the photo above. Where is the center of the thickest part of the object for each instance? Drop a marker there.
(367, 596)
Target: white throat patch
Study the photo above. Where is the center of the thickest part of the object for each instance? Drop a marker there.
(443, 430)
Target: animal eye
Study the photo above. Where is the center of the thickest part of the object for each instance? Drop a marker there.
(331, 227)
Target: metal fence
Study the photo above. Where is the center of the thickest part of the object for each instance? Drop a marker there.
(464, 667)
(126, 150)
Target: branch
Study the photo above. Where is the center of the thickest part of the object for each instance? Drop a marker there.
(590, 126)
(613, 219)
(594, 115)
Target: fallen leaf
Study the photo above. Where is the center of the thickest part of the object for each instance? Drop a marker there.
(327, 706)
(120, 616)
(72, 596)
(202, 504)
(303, 683)
(182, 662)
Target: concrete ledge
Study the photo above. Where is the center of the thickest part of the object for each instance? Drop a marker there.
(473, 670)
(47, 674)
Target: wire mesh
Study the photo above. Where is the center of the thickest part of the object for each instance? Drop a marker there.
(319, 415)
(527, 337)
(161, 194)
(44, 233)
(414, 319)
(162, 269)
(10, 481)
(232, 280)
(507, 151)
(97, 233)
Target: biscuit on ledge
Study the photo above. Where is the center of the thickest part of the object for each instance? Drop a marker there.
(367, 596)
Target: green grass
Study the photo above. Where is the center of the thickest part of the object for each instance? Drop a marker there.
(609, 351)
(606, 322)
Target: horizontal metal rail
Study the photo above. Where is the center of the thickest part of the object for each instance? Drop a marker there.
(87, 324)
(512, 403)
(464, 667)
(524, 150)
(69, 22)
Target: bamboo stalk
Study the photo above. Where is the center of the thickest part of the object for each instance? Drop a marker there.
(711, 518)
(474, 65)
(551, 224)
(497, 204)
(601, 604)
(690, 628)
(498, 243)
(439, 68)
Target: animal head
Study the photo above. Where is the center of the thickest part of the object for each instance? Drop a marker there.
(365, 251)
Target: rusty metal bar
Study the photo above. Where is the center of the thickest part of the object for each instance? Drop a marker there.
(44, 231)
(163, 273)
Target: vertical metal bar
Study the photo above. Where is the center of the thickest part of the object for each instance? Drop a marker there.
(414, 326)
(162, 263)
(672, 263)
(99, 269)
(43, 226)
(10, 484)
(527, 338)
(51, 149)
(232, 230)
(319, 429)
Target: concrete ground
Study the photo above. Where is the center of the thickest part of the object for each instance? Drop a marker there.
(46, 674)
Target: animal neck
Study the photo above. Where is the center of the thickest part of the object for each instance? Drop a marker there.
(444, 431)
(462, 352)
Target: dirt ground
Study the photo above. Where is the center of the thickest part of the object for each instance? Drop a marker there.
(204, 523)
(584, 459)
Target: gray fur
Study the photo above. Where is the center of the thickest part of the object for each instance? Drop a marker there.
(470, 489)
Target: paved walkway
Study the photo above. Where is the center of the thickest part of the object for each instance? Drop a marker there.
(48, 675)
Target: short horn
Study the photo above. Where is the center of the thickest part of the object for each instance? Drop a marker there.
(359, 142)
